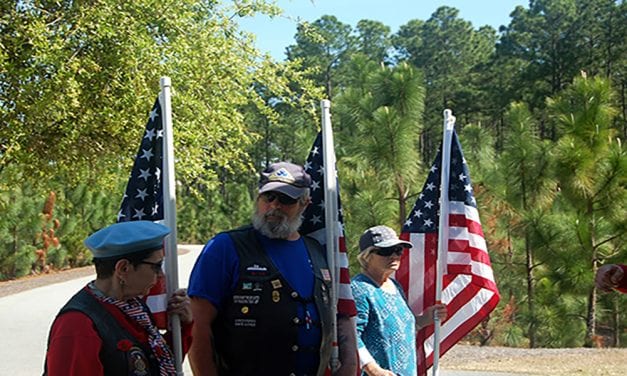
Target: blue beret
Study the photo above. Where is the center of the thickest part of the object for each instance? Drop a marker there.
(125, 238)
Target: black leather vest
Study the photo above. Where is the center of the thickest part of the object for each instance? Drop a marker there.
(256, 332)
(134, 361)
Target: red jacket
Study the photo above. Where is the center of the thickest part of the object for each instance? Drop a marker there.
(74, 344)
(622, 285)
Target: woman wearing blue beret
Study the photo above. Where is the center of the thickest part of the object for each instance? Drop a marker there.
(106, 328)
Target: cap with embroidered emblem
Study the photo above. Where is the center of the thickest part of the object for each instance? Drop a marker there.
(124, 238)
(287, 178)
(380, 237)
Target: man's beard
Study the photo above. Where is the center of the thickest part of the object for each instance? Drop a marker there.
(276, 230)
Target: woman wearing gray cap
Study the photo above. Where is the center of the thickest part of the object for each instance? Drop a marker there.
(386, 326)
(106, 329)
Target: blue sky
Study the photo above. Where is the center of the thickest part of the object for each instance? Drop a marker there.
(273, 35)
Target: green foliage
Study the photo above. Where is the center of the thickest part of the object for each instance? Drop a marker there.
(199, 217)
(512, 336)
(57, 256)
(383, 116)
(78, 79)
(558, 322)
(21, 220)
(590, 163)
(324, 46)
(561, 207)
(82, 210)
(373, 40)
(525, 162)
(547, 44)
(478, 145)
(449, 52)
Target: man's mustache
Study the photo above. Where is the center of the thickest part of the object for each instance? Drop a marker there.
(275, 213)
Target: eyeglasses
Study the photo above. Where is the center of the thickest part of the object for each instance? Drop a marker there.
(269, 197)
(156, 266)
(388, 251)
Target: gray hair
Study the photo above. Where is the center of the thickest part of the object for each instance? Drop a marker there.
(364, 257)
(304, 198)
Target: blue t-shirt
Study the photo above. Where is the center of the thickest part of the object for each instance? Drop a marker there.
(216, 272)
(386, 327)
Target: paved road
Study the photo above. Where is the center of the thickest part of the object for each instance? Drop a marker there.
(25, 319)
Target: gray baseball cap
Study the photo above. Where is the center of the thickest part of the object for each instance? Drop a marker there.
(285, 177)
(380, 237)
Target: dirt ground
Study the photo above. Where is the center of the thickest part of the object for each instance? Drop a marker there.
(34, 281)
(546, 362)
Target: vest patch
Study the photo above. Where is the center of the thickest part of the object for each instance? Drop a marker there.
(137, 363)
(246, 299)
(326, 275)
(246, 323)
(276, 283)
(257, 269)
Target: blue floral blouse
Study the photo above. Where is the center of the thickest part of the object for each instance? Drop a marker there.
(386, 327)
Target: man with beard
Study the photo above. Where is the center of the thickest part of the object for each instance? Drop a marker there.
(261, 293)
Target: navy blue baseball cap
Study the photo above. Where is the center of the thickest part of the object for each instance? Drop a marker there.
(126, 238)
(287, 178)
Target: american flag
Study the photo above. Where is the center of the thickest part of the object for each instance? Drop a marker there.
(314, 225)
(468, 289)
(143, 198)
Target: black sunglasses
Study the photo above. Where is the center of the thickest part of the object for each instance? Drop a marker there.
(156, 266)
(388, 251)
(283, 199)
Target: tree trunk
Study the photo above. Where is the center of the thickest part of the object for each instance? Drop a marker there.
(402, 201)
(616, 327)
(608, 48)
(328, 82)
(590, 318)
(267, 142)
(592, 296)
(623, 105)
(531, 330)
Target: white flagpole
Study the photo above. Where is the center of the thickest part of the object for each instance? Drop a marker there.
(331, 220)
(169, 214)
(449, 124)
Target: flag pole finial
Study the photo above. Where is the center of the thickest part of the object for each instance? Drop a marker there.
(449, 120)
